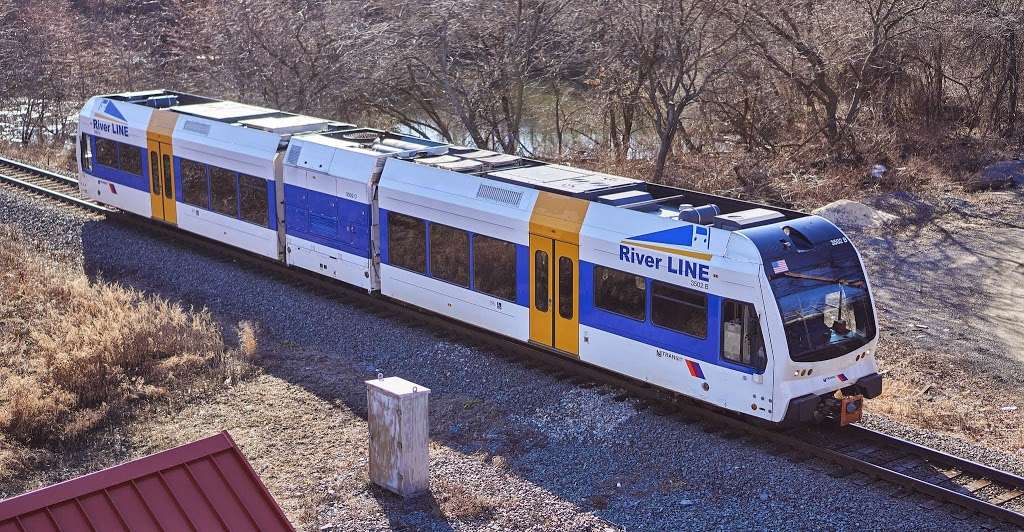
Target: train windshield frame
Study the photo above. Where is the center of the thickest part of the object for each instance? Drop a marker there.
(826, 308)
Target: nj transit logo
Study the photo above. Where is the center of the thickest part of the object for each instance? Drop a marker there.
(116, 123)
(672, 250)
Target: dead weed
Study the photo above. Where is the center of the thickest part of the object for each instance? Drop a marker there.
(74, 352)
(942, 396)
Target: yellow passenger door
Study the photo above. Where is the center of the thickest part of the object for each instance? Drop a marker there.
(161, 182)
(541, 299)
(554, 284)
(167, 171)
(161, 165)
(156, 181)
(566, 288)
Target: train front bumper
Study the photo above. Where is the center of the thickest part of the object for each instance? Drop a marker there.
(813, 408)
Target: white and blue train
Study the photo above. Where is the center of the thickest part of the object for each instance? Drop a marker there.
(758, 310)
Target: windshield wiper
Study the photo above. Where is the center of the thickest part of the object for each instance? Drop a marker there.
(856, 283)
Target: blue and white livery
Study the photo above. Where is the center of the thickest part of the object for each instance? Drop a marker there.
(759, 310)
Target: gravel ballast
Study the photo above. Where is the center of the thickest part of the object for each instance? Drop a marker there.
(511, 447)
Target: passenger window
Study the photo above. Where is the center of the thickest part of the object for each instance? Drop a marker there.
(223, 191)
(407, 242)
(741, 335)
(154, 171)
(449, 254)
(194, 188)
(85, 150)
(494, 267)
(168, 177)
(253, 199)
(129, 159)
(565, 290)
(620, 292)
(680, 309)
(540, 280)
(106, 152)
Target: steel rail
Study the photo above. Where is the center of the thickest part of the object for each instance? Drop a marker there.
(932, 489)
(689, 409)
(42, 190)
(963, 464)
(36, 170)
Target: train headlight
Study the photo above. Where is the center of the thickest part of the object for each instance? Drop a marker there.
(852, 407)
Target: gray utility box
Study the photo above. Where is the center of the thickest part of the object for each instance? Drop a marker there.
(399, 428)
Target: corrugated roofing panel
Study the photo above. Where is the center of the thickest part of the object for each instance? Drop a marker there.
(203, 485)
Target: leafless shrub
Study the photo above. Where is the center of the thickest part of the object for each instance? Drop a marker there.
(247, 339)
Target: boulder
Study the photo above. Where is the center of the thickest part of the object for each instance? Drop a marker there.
(853, 215)
(997, 175)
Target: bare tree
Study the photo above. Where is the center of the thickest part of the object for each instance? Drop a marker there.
(673, 51)
(824, 82)
(833, 61)
(473, 63)
(51, 59)
(999, 28)
(301, 56)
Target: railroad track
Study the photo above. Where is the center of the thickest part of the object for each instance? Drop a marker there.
(867, 455)
(46, 183)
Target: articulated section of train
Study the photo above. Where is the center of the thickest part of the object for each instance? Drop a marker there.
(755, 309)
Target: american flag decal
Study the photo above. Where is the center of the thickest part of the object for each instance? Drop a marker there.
(780, 266)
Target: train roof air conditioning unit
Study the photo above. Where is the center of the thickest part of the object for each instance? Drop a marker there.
(287, 125)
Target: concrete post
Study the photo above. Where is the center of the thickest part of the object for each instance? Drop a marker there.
(399, 427)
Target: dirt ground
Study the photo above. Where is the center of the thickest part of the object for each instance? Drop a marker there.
(948, 279)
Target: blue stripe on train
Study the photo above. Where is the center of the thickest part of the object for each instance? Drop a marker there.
(120, 177)
(142, 183)
(179, 195)
(523, 275)
(706, 349)
(337, 223)
(522, 261)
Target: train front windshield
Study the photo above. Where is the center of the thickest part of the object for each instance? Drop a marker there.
(826, 308)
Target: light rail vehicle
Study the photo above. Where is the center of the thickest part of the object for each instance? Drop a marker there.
(754, 309)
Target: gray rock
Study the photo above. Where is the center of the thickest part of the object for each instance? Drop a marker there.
(997, 175)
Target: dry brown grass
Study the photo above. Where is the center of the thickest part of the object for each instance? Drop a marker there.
(456, 501)
(933, 394)
(237, 364)
(75, 353)
(53, 156)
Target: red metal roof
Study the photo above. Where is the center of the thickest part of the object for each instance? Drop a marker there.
(203, 485)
